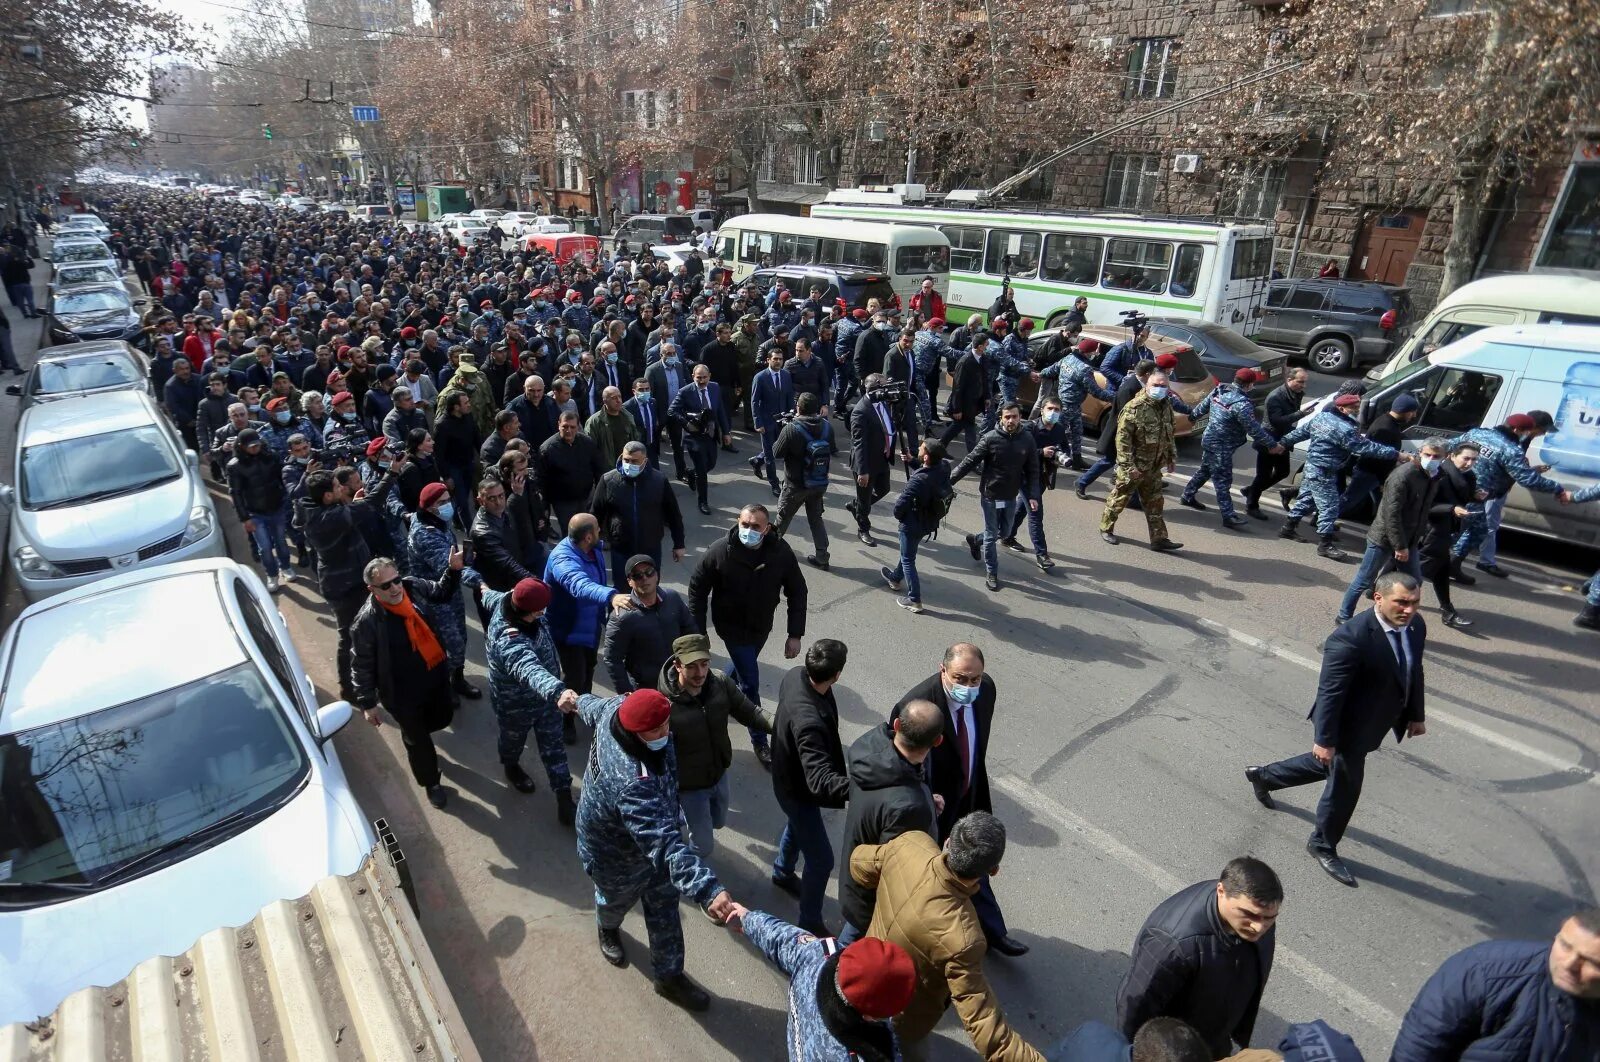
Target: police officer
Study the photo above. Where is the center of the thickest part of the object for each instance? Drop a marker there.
(930, 352)
(1502, 461)
(1334, 440)
(1144, 446)
(1014, 363)
(525, 688)
(431, 542)
(1233, 422)
(630, 842)
(1076, 381)
(1121, 359)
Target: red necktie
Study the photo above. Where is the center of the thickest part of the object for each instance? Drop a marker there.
(966, 753)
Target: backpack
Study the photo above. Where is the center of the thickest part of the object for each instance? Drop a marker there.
(932, 514)
(819, 455)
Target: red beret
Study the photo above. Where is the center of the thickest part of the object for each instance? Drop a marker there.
(644, 710)
(876, 977)
(431, 493)
(485, 302)
(859, 314)
(784, 296)
(573, 295)
(1346, 401)
(1246, 375)
(1166, 361)
(1087, 346)
(530, 595)
(408, 332)
(375, 447)
(342, 396)
(1521, 422)
(277, 404)
(936, 322)
(1025, 324)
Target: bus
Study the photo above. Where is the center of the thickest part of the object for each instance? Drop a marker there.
(1211, 270)
(906, 254)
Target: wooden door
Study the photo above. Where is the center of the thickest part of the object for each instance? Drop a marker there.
(1386, 246)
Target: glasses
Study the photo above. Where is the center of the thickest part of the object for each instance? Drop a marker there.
(642, 573)
(390, 585)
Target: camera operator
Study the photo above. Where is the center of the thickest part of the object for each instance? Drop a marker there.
(876, 426)
(805, 445)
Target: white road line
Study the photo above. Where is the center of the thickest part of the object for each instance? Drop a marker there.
(1333, 989)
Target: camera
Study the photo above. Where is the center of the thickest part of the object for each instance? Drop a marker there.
(1134, 319)
(893, 391)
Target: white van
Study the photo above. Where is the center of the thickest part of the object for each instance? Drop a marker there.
(1517, 298)
(1482, 379)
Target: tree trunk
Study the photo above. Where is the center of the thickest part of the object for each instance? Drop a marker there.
(1472, 191)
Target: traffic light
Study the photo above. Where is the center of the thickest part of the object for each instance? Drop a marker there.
(266, 130)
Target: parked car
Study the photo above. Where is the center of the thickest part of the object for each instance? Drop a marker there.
(372, 211)
(81, 250)
(1338, 324)
(101, 311)
(564, 246)
(78, 369)
(855, 286)
(301, 204)
(89, 224)
(634, 233)
(89, 273)
(153, 796)
(465, 230)
(486, 215)
(1225, 352)
(334, 208)
(526, 224)
(1191, 380)
(103, 484)
(671, 257)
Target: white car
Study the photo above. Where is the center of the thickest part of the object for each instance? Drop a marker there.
(466, 229)
(486, 216)
(301, 204)
(75, 275)
(87, 224)
(334, 208)
(517, 222)
(152, 796)
(81, 250)
(103, 484)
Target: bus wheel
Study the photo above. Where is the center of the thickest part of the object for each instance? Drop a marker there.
(1057, 321)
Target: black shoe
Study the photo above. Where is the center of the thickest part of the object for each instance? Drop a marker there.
(437, 796)
(459, 683)
(705, 509)
(1254, 512)
(1044, 562)
(520, 780)
(850, 507)
(819, 563)
(611, 947)
(864, 536)
(819, 930)
(1588, 618)
(764, 756)
(992, 581)
(569, 730)
(1287, 497)
(1236, 523)
(1456, 620)
(1082, 492)
(1008, 945)
(974, 548)
(1263, 794)
(789, 883)
(730, 449)
(684, 992)
(891, 576)
(1078, 464)
(1331, 551)
(566, 807)
(1193, 503)
(1166, 545)
(305, 558)
(1459, 576)
(755, 464)
(1013, 545)
(1290, 532)
(1492, 569)
(1332, 864)
(1110, 539)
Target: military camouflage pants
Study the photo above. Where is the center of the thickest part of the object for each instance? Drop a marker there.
(1216, 464)
(1319, 489)
(659, 897)
(1072, 421)
(545, 723)
(1147, 485)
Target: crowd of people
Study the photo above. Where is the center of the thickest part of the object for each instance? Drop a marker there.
(421, 425)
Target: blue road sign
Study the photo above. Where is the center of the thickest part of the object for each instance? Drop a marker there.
(364, 114)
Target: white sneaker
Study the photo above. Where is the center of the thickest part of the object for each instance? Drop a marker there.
(272, 584)
(286, 575)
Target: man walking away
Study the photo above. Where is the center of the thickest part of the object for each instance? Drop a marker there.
(255, 482)
(918, 511)
(1145, 444)
(1455, 504)
(1394, 539)
(1283, 412)
(636, 507)
(805, 445)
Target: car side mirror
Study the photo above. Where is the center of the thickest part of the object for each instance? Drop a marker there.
(332, 718)
(7, 496)
(193, 459)
(14, 389)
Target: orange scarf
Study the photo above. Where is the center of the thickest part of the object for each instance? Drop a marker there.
(423, 640)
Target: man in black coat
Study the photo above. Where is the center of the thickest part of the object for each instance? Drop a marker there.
(1394, 538)
(1370, 472)
(537, 414)
(969, 393)
(500, 555)
(700, 410)
(1283, 412)
(889, 795)
(636, 507)
(1204, 956)
(1371, 685)
(649, 418)
(877, 427)
(1007, 460)
(965, 696)
(566, 468)
(808, 775)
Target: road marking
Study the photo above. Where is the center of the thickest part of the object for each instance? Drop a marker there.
(1335, 990)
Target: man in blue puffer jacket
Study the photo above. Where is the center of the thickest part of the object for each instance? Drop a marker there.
(1507, 1000)
(581, 599)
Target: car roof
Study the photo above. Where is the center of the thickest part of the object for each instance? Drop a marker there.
(1339, 282)
(76, 418)
(94, 348)
(108, 623)
(84, 289)
(1528, 291)
(1577, 338)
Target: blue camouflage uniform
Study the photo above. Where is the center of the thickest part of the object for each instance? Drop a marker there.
(1012, 365)
(778, 317)
(578, 318)
(1076, 382)
(275, 437)
(1233, 423)
(804, 958)
(1592, 587)
(929, 352)
(1334, 440)
(1501, 464)
(429, 548)
(394, 514)
(1121, 359)
(524, 682)
(632, 839)
(844, 366)
(537, 315)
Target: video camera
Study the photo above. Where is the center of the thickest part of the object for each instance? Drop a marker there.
(893, 391)
(1134, 320)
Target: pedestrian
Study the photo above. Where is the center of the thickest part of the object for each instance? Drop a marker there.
(917, 512)
(808, 774)
(805, 446)
(841, 999)
(1502, 462)
(1145, 445)
(1334, 440)
(1077, 380)
(580, 584)
(506, 426)
(611, 427)
(1371, 684)
(566, 469)
(16, 271)
(810, 374)
(699, 410)
(1370, 473)
(1132, 387)
(629, 842)
(876, 437)
(958, 771)
(969, 393)
(647, 419)
(772, 398)
(889, 795)
(638, 640)
(1232, 423)
(398, 661)
(1456, 503)
(1049, 436)
(1394, 538)
(1204, 956)
(501, 554)
(666, 377)
(924, 904)
(1283, 412)
(1123, 358)
(702, 702)
(742, 576)
(181, 399)
(255, 483)
(525, 689)
(636, 508)
(431, 542)
(1007, 461)
(1511, 999)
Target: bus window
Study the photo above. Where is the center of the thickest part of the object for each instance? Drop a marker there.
(784, 249)
(920, 261)
(1186, 270)
(750, 246)
(805, 250)
(854, 253)
(1012, 252)
(1071, 259)
(1137, 265)
(1251, 258)
(724, 249)
(966, 247)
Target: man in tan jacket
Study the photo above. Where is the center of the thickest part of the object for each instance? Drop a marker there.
(924, 905)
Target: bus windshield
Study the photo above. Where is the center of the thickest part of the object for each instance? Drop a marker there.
(921, 260)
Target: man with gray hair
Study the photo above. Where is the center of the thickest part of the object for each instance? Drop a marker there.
(635, 506)
(1394, 540)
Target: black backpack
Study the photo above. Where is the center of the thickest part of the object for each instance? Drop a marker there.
(819, 455)
(932, 514)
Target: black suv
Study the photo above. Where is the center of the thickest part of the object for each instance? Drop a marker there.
(1339, 324)
(654, 229)
(854, 286)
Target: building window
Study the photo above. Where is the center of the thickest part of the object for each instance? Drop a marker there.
(570, 174)
(1152, 68)
(1131, 181)
(1259, 192)
(807, 165)
(816, 13)
(1570, 242)
(769, 165)
(643, 108)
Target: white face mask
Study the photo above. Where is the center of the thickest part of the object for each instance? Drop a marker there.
(1430, 465)
(1158, 391)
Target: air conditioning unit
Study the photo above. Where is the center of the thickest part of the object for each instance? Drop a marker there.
(1106, 44)
(1185, 163)
(877, 132)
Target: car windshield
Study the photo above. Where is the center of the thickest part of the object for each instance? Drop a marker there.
(80, 252)
(90, 301)
(93, 467)
(95, 274)
(1232, 342)
(81, 798)
(858, 293)
(677, 225)
(84, 374)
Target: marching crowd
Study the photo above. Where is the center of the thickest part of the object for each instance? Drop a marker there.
(422, 425)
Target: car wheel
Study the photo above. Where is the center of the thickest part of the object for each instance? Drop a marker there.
(1057, 321)
(1330, 355)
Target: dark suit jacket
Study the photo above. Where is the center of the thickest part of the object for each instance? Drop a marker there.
(657, 420)
(768, 398)
(687, 401)
(944, 762)
(1362, 694)
(968, 389)
(866, 439)
(587, 393)
(660, 384)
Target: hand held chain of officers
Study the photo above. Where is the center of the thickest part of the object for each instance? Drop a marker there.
(367, 392)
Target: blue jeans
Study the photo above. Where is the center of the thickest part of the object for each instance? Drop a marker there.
(22, 297)
(1101, 466)
(270, 540)
(1374, 562)
(1035, 518)
(908, 563)
(746, 671)
(805, 836)
(1493, 510)
(996, 520)
(706, 811)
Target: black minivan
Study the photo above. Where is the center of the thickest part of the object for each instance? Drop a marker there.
(654, 229)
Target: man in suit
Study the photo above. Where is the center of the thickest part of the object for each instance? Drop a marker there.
(647, 416)
(969, 394)
(873, 427)
(698, 410)
(772, 395)
(586, 388)
(667, 377)
(1371, 684)
(956, 768)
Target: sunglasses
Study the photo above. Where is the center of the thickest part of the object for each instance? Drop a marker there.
(642, 573)
(390, 585)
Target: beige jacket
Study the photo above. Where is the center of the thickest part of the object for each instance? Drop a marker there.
(927, 910)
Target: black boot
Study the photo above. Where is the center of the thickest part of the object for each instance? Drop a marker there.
(1589, 617)
(519, 779)
(459, 683)
(569, 730)
(611, 947)
(566, 807)
(684, 992)
(1459, 576)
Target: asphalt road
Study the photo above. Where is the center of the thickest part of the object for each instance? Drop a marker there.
(1134, 687)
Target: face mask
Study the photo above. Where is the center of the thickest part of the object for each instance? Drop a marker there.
(255, 408)
(1158, 392)
(611, 359)
(306, 460)
(538, 304)
(643, 396)
(348, 418)
(632, 471)
(446, 511)
(658, 744)
(750, 537)
(964, 695)
(280, 417)
(673, 363)
(886, 326)
(1430, 465)
(1051, 416)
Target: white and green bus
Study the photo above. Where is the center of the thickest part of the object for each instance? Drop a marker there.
(904, 255)
(1213, 271)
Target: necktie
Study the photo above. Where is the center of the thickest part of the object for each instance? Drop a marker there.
(705, 402)
(1397, 643)
(961, 747)
(888, 431)
(645, 408)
